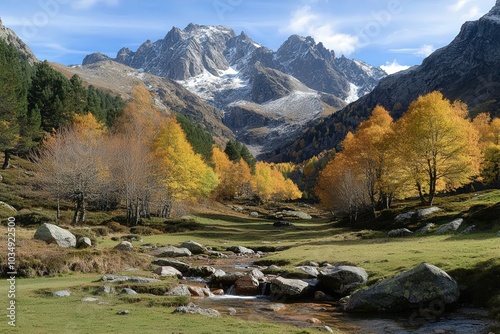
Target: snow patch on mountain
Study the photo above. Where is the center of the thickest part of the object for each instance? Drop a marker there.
(353, 93)
(207, 85)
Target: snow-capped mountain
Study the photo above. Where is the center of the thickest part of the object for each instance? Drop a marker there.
(229, 71)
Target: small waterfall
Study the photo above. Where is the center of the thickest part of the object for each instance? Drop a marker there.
(264, 289)
(231, 291)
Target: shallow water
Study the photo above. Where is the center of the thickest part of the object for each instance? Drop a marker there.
(301, 314)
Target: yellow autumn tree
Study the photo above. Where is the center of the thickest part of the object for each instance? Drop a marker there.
(340, 187)
(234, 177)
(438, 145)
(268, 184)
(72, 164)
(489, 143)
(184, 173)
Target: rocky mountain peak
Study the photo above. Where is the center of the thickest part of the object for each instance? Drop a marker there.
(494, 13)
(10, 37)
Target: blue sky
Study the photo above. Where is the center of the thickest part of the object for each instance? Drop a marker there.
(379, 32)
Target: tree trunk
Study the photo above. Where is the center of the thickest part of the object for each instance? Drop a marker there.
(6, 161)
(420, 194)
(83, 208)
(76, 215)
(58, 212)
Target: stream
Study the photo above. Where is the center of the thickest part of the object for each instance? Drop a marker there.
(316, 314)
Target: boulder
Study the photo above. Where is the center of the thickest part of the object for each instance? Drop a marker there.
(282, 223)
(247, 286)
(232, 311)
(168, 271)
(311, 272)
(427, 211)
(61, 293)
(54, 234)
(256, 273)
(180, 290)
(254, 214)
(170, 251)
(124, 246)
(241, 250)
(131, 279)
(400, 232)
(426, 229)
(128, 291)
(419, 286)
(123, 312)
(342, 279)
(215, 254)
(295, 214)
(405, 216)
(193, 309)
(202, 271)
(225, 280)
(193, 247)
(84, 242)
(285, 288)
(179, 265)
(451, 227)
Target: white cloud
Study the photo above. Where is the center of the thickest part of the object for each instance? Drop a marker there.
(459, 5)
(86, 4)
(423, 51)
(394, 67)
(304, 22)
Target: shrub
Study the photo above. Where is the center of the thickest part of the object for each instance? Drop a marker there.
(131, 237)
(144, 230)
(182, 225)
(32, 219)
(100, 231)
(117, 227)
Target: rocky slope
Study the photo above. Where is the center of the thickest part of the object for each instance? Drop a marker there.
(11, 38)
(468, 69)
(230, 71)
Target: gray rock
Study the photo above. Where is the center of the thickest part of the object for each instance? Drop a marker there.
(54, 234)
(405, 216)
(227, 279)
(427, 211)
(171, 251)
(419, 286)
(256, 273)
(254, 214)
(451, 227)
(180, 290)
(84, 242)
(89, 300)
(400, 232)
(202, 271)
(329, 329)
(469, 229)
(426, 229)
(168, 271)
(241, 250)
(193, 247)
(106, 289)
(132, 279)
(193, 309)
(124, 246)
(232, 311)
(61, 293)
(273, 267)
(179, 265)
(284, 287)
(123, 312)
(296, 214)
(320, 295)
(128, 291)
(216, 254)
(312, 272)
(342, 279)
